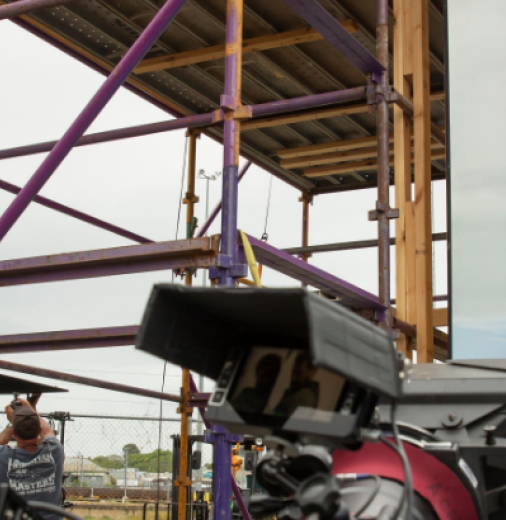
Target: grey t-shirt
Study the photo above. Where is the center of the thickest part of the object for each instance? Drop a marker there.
(37, 475)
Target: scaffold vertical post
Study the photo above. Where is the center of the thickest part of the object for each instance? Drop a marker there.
(383, 136)
(306, 200)
(230, 101)
(190, 199)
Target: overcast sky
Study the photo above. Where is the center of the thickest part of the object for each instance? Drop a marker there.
(478, 178)
(135, 184)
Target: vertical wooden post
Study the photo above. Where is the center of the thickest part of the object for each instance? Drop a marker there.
(403, 59)
(306, 200)
(422, 201)
(183, 482)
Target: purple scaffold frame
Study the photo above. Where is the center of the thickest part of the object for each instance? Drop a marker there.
(200, 252)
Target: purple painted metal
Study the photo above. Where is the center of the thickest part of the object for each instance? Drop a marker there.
(69, 339)
(383, 133)
(321, 20)
(88, 381)
(316, 100)
(240, 500)
(196, 121)
(117, 77)
(278, 260)
(27, 6)
(230, 101)
(11, 188)
(176, 254)
(217, 209)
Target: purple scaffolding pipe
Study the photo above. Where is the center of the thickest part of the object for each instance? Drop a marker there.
(304, 102)
(116, 135)
(383, 133)
(230, 101)
(74, 213)
(88, 381)
(27, 6)
(200, 120)
(216, 210)
(235, 487)
(113, 82)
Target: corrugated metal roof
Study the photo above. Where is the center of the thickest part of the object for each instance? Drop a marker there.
(104, 30)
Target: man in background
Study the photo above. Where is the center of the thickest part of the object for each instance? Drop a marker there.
(34, 468)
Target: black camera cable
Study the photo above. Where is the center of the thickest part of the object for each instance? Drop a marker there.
(408, 495)
(52, 508)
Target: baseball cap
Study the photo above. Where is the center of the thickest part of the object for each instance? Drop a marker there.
(25, 423)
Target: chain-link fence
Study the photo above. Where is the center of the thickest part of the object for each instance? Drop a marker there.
(115, 464)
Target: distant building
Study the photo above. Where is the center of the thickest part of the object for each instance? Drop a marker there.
(132, 476)
(151, 480)
(80, 471)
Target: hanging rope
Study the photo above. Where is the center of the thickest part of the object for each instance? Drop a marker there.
(265, 236)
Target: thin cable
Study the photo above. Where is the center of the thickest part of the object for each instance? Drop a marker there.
(267, 209)
(51, 508)
(398, 447)
(158, 462)
(183, 173)
(371, 497)
(178, 221)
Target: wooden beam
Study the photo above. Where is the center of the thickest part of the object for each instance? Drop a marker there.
(259, 44)
(320, 113)
(422, 199)
(403, 58)
(333, 146)
(359, 166)
(312, 115)
(352, 155)
(440, 317)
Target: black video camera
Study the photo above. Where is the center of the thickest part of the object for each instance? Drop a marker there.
(321, 384)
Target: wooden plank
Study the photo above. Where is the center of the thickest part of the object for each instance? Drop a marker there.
(352, 155)
(403, 47)
(259, 44)
(371, 164)
(440, 317)
(409, 215)
(422, 199)
(312, 115)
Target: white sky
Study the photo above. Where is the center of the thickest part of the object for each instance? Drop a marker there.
(134, 184)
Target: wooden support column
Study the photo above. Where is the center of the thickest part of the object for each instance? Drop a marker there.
(403, 61)
(183, 482)
(422, 200)
(306, 200)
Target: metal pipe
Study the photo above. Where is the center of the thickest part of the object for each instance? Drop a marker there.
(313, 101)
(20, 7)
(217, 209)
(383, 133)
(195, 121)
(347, 246)
(74, 213)
(230, 102)
(113, 82)
(88, 381)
